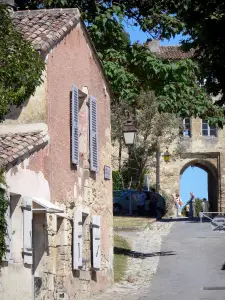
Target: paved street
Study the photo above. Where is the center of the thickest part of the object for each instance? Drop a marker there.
(191, 258)
(198, 264)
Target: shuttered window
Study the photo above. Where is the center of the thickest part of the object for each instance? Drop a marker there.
(77, 240)
(96, 242)
(27, 231)
(93, 134)
(75, 126)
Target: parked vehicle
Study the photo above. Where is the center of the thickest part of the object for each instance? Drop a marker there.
(121, 200)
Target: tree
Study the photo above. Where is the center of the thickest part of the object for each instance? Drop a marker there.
(153, 129)
(131, 67)
(20, 66)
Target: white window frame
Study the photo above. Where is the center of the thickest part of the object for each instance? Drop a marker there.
(184, 126)
(208, 129)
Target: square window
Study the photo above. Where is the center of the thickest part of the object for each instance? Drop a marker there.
(205, 132)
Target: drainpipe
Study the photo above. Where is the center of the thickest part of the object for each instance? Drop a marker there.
(158, 168)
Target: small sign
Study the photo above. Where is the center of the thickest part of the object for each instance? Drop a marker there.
(107, 172)
(218, 224)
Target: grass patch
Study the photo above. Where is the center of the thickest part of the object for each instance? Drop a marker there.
(120, 260)
(130, 223)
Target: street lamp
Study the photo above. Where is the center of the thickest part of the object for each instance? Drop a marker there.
(129, 132)
(129, 135)
(166, 156)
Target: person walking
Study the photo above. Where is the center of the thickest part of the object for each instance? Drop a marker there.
(205, 205)
(192, 205)
(178, 204)
(153, 203)
(187, 209)
(160, 207)
(141, 197)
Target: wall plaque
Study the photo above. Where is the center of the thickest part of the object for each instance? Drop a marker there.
(107, 172)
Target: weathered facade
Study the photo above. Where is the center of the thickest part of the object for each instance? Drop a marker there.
(54, 151)
(199, 150)
(199, 145)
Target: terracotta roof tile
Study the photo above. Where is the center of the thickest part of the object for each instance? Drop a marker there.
(45, 27)
(15, 145)
(173, 53)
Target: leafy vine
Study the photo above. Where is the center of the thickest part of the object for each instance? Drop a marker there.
(3, 223)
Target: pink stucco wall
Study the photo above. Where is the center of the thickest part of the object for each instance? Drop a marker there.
(73, 62)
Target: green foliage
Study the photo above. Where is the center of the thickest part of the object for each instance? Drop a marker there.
(3, 224)
(121, 247)
(198, 206)
(20, 66)
(117, 181)
(153, 128)
(131, 67)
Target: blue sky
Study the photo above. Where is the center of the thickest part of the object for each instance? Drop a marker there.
(193, 179)
(138, 35)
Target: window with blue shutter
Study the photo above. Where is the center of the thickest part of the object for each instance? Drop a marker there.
(75, 126)
(93, 134)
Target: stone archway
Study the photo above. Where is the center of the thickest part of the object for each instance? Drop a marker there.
(209, 162)
(213, 179)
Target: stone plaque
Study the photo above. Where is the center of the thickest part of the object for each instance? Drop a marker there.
(107, 172)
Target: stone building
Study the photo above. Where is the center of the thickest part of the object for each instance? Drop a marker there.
(56, 153)
(200, 146)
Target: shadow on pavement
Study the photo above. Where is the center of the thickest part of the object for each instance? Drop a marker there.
(140, 254)
(188, 220)
(223, 267)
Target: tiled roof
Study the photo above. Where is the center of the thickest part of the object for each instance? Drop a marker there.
(173, 53)
(14, 146)
(45, 28)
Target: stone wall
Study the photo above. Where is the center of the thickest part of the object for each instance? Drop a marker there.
(55, 179)
(206, 152)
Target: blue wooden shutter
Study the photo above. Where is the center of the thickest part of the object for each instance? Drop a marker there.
(75, 126)
(77, 240)
(93, 134)
(27, 231)
(96, 242)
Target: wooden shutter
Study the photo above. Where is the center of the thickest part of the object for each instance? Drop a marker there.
(75, 126)
(77, 239)
(8, 238)
(27, 230)
(93, 134)
(96, 242)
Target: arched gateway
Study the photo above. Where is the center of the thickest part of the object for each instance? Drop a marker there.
(201, 147)
(213, 182)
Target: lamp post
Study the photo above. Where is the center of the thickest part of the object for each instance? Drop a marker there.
(129, 135)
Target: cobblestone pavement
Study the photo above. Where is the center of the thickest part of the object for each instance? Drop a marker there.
(142, 263)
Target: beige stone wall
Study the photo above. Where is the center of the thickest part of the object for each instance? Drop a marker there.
(33, 110)
(206, 152)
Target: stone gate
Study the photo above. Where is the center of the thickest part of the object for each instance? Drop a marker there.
(204, 147)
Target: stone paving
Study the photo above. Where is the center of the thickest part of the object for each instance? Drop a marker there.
(142, 263)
